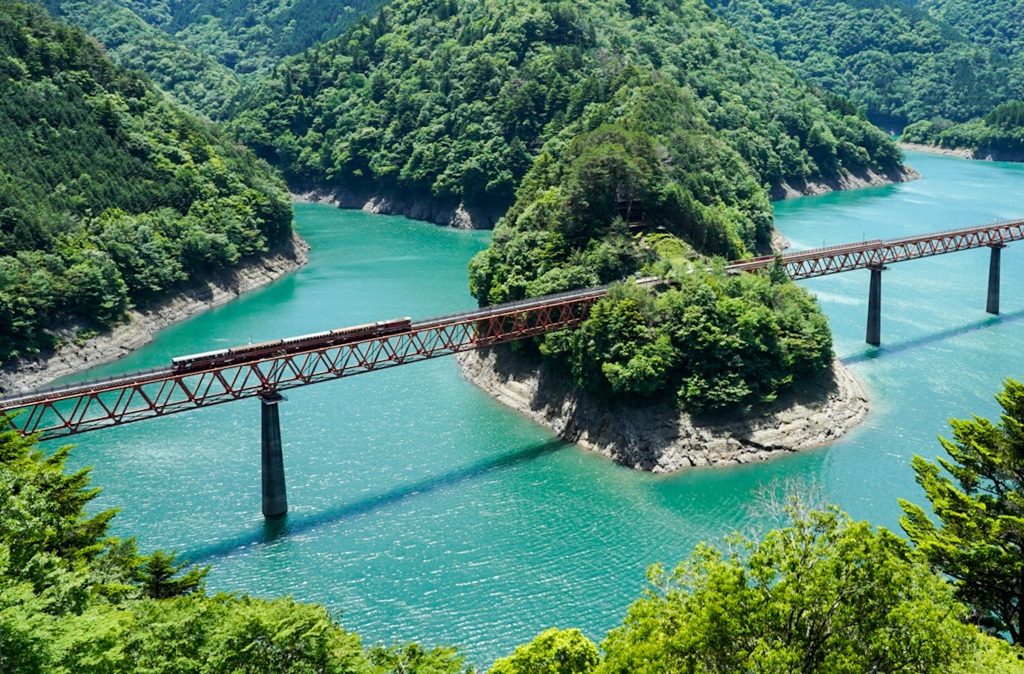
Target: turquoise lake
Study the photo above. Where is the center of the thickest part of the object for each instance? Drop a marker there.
(423, 510)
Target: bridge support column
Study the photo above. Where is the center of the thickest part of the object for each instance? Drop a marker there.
(992, 305)
(874, 332)
(275, 500)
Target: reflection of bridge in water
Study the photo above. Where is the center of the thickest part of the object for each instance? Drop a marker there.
(265, 370)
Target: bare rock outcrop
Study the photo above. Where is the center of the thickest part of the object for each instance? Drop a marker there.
(213, 290)
(658, 438)
(847, 181)
(460, 217)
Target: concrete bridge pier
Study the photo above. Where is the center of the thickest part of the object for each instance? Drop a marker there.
(992, 305)
(275, 500)
(874, 332)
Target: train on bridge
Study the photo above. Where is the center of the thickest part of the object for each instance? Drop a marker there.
(281, 347)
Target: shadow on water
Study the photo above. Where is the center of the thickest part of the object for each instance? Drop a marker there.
(281, 527)
(886, 350)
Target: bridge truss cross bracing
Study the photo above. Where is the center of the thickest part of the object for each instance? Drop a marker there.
(135, 397)
(878, 253)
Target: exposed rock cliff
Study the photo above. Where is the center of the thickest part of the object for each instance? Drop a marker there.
(214, 290)
(658, 437)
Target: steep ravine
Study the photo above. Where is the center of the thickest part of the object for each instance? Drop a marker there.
(658, 438)
(138, 330)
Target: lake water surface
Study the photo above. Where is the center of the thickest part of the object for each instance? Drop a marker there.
(426, 511)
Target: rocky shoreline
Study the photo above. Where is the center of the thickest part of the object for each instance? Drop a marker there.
(849, 181)
(417, 209)
(215, 289)
(964, 153)
(462, 217)
(658, 438)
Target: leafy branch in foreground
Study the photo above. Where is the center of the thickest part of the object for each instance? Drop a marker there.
(823, 594)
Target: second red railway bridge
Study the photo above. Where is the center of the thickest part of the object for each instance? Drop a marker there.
(264, 371)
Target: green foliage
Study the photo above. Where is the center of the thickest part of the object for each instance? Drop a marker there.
(192, 77)
(109, 194)
(713, 342)
(412, 658)
(205, 53)
(823, 594)
(453, 101)
(159, 577)
(980, 538)
(1000, 135)
(899, 63)
(250, 36)
(997, 24)
(553, 651)
(57, 561)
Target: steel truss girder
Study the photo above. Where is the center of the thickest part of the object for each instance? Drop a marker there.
(836, 259)
(85, 409)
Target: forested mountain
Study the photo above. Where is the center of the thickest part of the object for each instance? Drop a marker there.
(453, 100)
(898, 63)
(193, 77)
(251, 36)
(202, 52)
(109, 194)
(997, 24)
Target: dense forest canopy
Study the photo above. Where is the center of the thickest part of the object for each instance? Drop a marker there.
(998, 135)
(997, 24)
(897, 62)
(205, 54)
(452, 101)
(192, 77)
(109, 194)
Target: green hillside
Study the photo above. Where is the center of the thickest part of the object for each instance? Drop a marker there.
(452, 101)
(999, 135)
(204, 53)
(997, 24)
(109, 194)
(194, 78)
(250, 36)
(898, 63)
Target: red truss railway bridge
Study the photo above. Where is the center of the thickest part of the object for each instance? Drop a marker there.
(264, 370)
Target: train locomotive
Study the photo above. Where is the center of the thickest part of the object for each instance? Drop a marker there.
(279, 347)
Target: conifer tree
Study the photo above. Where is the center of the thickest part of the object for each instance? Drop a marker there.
(980, 539)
